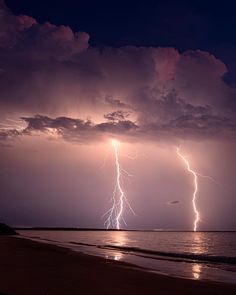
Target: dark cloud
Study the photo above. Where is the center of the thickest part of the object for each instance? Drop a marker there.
(117, 116)
(77, 129)
(42, 123)
(187, 122)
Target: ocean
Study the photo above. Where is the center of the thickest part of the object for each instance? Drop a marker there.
(192, 255)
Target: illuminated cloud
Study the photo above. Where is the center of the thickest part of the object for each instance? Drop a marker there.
(24, 35)
(197, 124)
(87, 93)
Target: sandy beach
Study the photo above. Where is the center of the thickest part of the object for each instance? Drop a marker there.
(29, 267)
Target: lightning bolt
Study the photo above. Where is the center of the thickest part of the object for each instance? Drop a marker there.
(195, 183)
(115, 213)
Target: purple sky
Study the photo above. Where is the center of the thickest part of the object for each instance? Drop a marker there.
(61, 103)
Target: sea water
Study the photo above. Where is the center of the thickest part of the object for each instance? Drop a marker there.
(194, 255)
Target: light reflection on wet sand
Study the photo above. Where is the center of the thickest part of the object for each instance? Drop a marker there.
(196, 270)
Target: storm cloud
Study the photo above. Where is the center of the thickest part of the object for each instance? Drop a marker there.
(50, 76)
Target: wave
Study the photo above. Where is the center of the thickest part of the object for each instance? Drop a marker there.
(84, 244)
(161, 255)
(188, 257)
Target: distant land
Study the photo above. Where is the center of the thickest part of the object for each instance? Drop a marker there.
(103, 229)
(65, 228)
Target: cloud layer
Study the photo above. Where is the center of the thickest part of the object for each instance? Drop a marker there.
(50, 76)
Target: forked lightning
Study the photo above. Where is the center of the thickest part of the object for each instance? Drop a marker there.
(115, 213)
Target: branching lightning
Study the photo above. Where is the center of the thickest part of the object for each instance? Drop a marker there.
(195, 182)
(115, 213)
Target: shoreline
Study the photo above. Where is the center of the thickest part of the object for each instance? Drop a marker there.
(30, 267)
(172, 264)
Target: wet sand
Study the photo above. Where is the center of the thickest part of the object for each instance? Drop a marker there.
(28, 267)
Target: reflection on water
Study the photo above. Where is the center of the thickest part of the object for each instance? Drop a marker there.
(176, 244)
(199, 246)
(200, 243)
(196, 270)
(118, 239)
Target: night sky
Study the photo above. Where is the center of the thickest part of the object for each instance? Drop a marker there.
(155, 75)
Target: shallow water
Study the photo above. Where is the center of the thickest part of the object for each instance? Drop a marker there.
(195, 255)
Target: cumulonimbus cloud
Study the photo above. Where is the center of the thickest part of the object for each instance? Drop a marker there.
(137, 92)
